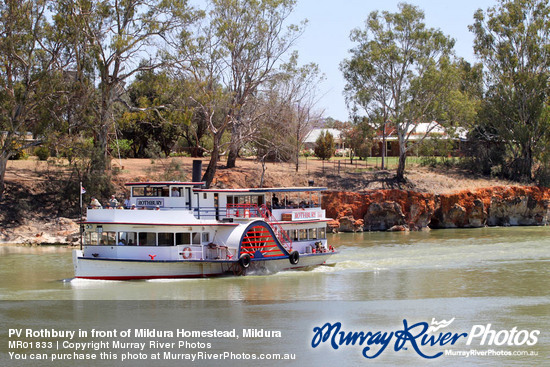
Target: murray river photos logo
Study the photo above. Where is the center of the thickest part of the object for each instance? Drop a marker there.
(419, 337)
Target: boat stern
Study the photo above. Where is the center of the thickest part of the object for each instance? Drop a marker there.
(76, 255)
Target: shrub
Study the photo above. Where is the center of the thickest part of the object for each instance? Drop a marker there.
(324, 146)
(42, 152)
(122, 147)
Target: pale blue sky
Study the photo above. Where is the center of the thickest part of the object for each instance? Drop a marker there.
(326, 39)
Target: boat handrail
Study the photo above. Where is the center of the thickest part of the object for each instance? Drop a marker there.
(244, 210)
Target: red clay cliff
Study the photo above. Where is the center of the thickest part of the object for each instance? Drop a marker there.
(408, 210)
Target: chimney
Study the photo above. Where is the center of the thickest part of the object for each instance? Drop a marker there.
(197, 170)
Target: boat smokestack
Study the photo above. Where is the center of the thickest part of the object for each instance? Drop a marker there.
(197, 170)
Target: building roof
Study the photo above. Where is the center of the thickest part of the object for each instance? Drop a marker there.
(418, 131)
(313, 135)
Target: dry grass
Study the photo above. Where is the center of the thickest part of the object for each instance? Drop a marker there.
(335, 176)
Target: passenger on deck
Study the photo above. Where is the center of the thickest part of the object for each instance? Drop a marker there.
(275, 201)
(175, 192)
(122, 242)
(113, 202)
(285, 202)
(127, 202)
(133, 207)
(130, 243)
(94, 204)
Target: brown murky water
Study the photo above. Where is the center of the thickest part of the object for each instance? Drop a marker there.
(497, 276)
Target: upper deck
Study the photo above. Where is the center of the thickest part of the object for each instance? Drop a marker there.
(181, 203)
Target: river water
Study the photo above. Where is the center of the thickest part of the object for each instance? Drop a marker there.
(380, 282)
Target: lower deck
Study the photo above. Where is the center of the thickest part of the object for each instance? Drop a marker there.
(255, 238)
(128, 269)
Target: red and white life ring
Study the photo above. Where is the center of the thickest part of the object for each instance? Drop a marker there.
(187, 253)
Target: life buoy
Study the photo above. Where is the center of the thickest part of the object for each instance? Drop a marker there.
(244, 261)
(294, 257)
(187, 253)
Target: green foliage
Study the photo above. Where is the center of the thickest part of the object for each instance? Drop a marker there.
(511, 39)
(122, 147)
(358, 137)
(324, 146)
(403, 72)
(428, 161)
(542, 175)
(42, 152)
(484, 151)
(154, 124)
(27, 52)
(436, 146)
(154, 150)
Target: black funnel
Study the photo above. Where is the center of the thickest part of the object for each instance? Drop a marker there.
(197, 170)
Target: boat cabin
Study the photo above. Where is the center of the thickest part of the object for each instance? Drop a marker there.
(185, 215)
(220, 204)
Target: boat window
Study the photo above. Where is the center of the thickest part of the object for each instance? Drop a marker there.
(91, 238)
(183, 238)
(166, 239)
(313, 233)
(294, 233)
(176, 192)
(206, 237)
(147, 239)
(302, 234)
(130, 238)
(155, 191)
(138, 191)
(196, 238)
(322, 233)
(107, 238)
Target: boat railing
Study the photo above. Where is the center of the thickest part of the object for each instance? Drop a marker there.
(247, 210)
(243, 211)
(281, 234)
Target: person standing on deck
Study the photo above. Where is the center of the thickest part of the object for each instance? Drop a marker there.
(113, 202)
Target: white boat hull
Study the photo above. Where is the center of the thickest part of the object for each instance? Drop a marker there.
(126, 269)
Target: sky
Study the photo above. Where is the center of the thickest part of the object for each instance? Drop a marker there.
(326, 39)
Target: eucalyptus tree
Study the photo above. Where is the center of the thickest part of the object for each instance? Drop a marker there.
(511, 39)
(296, 89)
(403, 73)
(286, 113)
(29, 53)
(231, 53)
(119, 35)
(255, 36)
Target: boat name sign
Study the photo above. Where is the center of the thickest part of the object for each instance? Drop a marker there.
(306, 215)
(150, 202)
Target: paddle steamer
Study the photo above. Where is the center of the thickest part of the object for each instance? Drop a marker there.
(180, 230)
